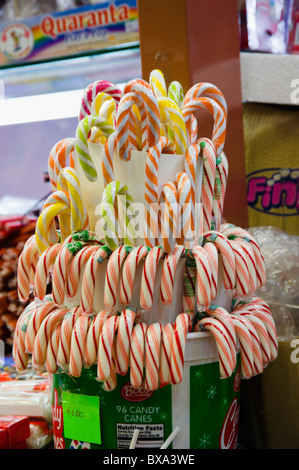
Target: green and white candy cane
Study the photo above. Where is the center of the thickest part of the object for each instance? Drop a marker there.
(81, 142)
(117, 225)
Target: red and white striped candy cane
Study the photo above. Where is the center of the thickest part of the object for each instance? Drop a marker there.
(44, 333)
(251, 263)
(258, 363)
(246, 348)
(20, 354)
(262, 334)
(59, 276)
(137, 352)
(52, 349)
(166, 353)
(35, 320)
(152, 356)
(168, 274)
(142, 88)
(223, 316)
(149, 275)
(191, 169)
(230, 231)
(93, 335)
(106, 347)
(26, 259)
(203, 278)
(92, 90)
(123, 340)
(212, 252)
(219, 193)
(219, 128)
(126, 139)
(129, 272)
(46, 259)
(76, 267)
(67, 326)
(242, 270)
(222, 341)
(152, 191)
(168, 214)
(178, 348)
(111, 382)
(113, 272)
(78, 340)
(227, 255)
(31, 309)
(89, 278)
(209, 171)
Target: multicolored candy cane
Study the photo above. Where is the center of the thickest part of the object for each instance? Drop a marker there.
(61, 155)
(89, 278)
(157, 82)
(137, 352)
(148, 276)
(81, 142)
(172, 118)
(129, 272)
(114, 229)
(142, 88)
(178, 349)
(90, 93)
(152, 356)
(123, 340)
(219, 128)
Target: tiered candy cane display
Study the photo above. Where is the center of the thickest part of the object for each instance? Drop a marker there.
(109, 293)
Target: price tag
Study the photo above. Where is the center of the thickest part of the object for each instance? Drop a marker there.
(81, 417)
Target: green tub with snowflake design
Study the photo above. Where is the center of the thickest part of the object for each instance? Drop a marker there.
(203, 406)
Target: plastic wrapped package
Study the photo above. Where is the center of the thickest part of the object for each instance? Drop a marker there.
(281, 253)
(41, 434)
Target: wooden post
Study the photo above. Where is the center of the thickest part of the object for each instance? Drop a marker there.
(196, 41)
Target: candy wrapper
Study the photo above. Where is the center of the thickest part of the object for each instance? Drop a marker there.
(281, 253)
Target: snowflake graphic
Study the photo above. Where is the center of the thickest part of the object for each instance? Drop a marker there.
(198, 374)
(163, 416)
(212, 392)
(205, 441)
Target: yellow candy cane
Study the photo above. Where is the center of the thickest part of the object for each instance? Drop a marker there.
(68, 182)
(171, 116)
(57, 204)
(157, 82)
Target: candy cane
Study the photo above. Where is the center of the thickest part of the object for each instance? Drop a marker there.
(258, 364)
(76, 267)
(242, 270)
(142, 88)
(157, 82)
(25, 261)
(152, 191)
(44, 263)
(222, 315)
(231, 231)
(35, 321)
(204, 276)
(69, 183)
(64, 347)
(184, 199)
(189, 284)
(176, 93)
(44, 333)
(219, 128)
(129, 272)
(105, 347)
(104, 105)
(93, 89)
(152, 356)
(79, 334)
(191, 162)
(178, 348)
(110, 383)
(148, 276)
(52, 349)
(219, 193)
(172, 118)
(251, 263)
(58, 158)
(60, 270)
(137, 352)
(227, 255)
(168, 274)
(126, 139)
(262, 334)
(209, 169)
(224, 352)
(246, 348)
(212, 252)
(20, 353)
(166, 353)
(168, 212)
(113, 231)
(93, 335)
(113, 270)
(107, 159)
(81, 142)
(123, 340)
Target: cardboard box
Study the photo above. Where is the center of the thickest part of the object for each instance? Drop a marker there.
(17, 428)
